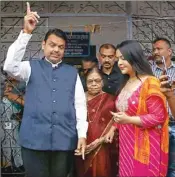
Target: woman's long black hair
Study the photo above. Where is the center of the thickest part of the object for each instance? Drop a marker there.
(133, 53)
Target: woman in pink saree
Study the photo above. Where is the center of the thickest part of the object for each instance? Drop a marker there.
(101, 158)
(140, 116)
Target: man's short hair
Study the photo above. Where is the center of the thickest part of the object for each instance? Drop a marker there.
(107, 46)
(91, 58)
(162, 39)
(57, 32)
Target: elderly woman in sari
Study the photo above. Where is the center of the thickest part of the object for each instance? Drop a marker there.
(101, 158)
(141, 117)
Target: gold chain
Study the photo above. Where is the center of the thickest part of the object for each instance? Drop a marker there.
(92, 120)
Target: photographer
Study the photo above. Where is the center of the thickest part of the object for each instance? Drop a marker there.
(162, 49)
(168, 92)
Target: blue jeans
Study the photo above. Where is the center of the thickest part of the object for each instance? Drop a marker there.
(171, 166)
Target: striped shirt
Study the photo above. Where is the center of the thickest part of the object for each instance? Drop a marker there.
(157, 71)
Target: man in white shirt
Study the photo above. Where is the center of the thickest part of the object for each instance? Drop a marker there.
(54, 120)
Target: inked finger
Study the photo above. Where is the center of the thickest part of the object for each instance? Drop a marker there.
(28, 8)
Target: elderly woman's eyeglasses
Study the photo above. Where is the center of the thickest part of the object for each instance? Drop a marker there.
(91, 81)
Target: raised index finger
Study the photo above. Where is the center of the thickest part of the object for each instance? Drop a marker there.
(28, 8)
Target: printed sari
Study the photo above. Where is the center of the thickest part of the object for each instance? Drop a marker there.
(101, 162)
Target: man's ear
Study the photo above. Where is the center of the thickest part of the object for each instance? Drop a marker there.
(43, 44)
(170, 51)
(98, 57)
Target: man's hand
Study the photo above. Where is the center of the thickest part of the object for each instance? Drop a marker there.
(165, 89)
(81, 146)
(30, 20)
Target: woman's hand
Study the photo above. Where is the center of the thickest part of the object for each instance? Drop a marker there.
(110, 135)
(121, 117)
(92, 146)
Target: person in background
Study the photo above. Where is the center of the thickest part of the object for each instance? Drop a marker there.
(141, 116)
(101, 158)
(169, 92)
(54, 119)
(13, 103)
(87, 64)
(112, 77)
(162, 48)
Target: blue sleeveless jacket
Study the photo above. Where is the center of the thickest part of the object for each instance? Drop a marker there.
(49, 120)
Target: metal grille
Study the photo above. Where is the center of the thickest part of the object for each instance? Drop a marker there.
(11, 112)
(145, 30)
(153, 19)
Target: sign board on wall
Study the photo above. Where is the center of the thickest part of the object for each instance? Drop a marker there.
(78, 44)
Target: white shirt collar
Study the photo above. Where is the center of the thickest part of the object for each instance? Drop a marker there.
(53, 64)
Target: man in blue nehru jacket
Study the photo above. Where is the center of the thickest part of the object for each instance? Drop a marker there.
(54, 120)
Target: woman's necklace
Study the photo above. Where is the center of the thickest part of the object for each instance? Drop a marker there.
(125, 94)
(93, 118)
(132, 79)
